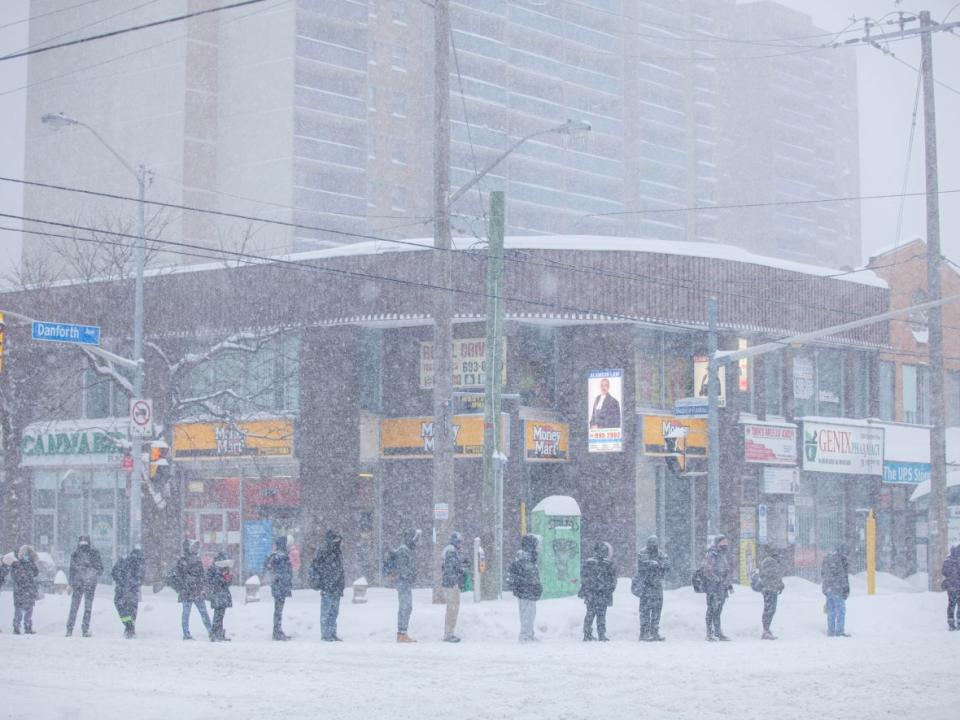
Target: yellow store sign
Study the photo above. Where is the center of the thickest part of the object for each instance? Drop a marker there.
(546, 441)
(216, 440)
(404, 438)
(667, 436)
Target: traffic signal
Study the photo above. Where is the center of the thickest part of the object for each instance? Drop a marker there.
(158, 458)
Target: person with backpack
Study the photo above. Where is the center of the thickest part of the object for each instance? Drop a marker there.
(326, 575)
(281, 584)
(717, 585)
(951, 583)
(85, 568)
(769, 581)
(401, 566)
(187, 578)
(652, 566)
(597, 583)
(835, 583)
(127, 574)
(453, 571)
(523, 580)
(23, 576)
(219, 579)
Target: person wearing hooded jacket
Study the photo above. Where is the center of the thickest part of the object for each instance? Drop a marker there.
(23, 576)
(127, 574)
(187, 578)
(951, 583)
(652, 566)
(406, 576)
(219, 579)
(281, 586)
(85, 568)
(453, 570)
(598, 581)
(835, 583)
(770, 575)
(718, 586)
(523, 579)
(327, 576)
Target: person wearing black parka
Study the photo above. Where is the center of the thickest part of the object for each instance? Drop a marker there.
(219, 580)
(127, 577)
(280, 571)
(598, 581)
(327, 576)
(23, 574)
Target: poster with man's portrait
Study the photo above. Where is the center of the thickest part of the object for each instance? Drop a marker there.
(605, 411)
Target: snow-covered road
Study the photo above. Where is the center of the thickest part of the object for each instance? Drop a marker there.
(900, 662)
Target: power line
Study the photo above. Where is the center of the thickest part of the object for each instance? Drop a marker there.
(123, 31)
(46, 14)
(906, 165)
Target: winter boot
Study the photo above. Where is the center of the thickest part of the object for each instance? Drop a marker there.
(721, 636)
(451, 639)
(187, 636)
(280, 635)
(402, 637)
(128, 631)
(710, 637)
(16, 629)
(587, 637)
(657, 637)
(87, 633)
(603, 638)
(952, 624)
(28, 630)
(767, 635)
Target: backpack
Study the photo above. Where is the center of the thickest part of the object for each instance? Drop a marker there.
(313, 577)
(514, 572)
(390, 565)
(636, 586)
(755, 583)
(699, 581)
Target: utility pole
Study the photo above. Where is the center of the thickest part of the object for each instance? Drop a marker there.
(139, 470)
(937, 545)
(492, 497)
(444, 488)
(713, 424)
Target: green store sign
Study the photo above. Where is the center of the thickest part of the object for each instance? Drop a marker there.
(82, 442)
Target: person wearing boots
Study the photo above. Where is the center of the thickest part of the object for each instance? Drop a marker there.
(187, 578)
(652, 566)
(85, 569)
(835, 583)
(523, 580)
(219, 580)
(598, 580)
(406, 576)
(771, 585)
(127, 574)
(23, 576)
(951, 583)
(281, 584)
(327, 576)
(452, 574)
(716, 574)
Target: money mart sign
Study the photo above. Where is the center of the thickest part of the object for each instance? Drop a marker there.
(845, 449)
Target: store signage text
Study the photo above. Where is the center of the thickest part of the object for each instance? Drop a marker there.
(850, 450)
(546, 441)
(469, 362)
(85, 442)
(770, 444)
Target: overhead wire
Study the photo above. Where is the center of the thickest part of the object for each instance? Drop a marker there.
(32, 18)
(906, 166)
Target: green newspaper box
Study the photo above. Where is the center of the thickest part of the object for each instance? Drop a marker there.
(556, 519)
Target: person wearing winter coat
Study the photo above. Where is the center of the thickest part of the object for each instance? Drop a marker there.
(127, 574)
(523, 579)
(219, 579)
(951, 583)
(598, 580)
(652, 566)
(85, 568)
(406, 577)
(717, 584)
(770, 575)
(453, 570)
(327, 576)
(23, 576)
(187, 578)
(281, 585)
(835, 583)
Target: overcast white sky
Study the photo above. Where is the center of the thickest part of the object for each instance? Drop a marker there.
(886, 93)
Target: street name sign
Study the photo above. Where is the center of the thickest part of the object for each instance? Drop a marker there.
(66, 333)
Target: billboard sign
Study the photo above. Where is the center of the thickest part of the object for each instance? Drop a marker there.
(604, 414)
(770, 444)
(843, 449)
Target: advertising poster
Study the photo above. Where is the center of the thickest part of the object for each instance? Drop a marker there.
(770, 444)
(700, 379)
(845, 449)
(748, 560)
(546, 441)
(604, 415)
(781, 480)
(257, 544)
(469, 362)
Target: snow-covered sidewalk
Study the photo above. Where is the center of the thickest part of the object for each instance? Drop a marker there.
(899, 663)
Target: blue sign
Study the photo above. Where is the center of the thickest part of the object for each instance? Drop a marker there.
(692, 407)
(257, 544)
(66, 333)
(905, 473)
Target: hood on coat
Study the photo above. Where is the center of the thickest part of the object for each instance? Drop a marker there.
(411, 537)
(280, 543)
(456, 539)
(333, 539)
(529, 542)
(653, 544)
(955, 552)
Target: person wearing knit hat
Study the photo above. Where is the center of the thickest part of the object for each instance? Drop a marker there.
(86, 566)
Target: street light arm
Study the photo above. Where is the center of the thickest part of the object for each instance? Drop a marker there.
(113, 152)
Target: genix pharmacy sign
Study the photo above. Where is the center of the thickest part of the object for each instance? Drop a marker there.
(845, 449)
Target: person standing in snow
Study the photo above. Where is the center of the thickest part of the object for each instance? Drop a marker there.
(835, 582)
(23, 576)
(598, 580)
(85, 569)
(327, 576)
(951, 583)
(281, 584)
(405, 571)
(127, 574)
(771, 585)
(187, 578)
(717, 583)
(523, 579)
(452, 575)
(652, 566)
(219, 579)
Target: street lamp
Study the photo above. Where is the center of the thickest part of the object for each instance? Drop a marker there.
(59, 120)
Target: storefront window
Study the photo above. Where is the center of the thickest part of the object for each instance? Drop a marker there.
(861, 385)
(677, 368)
(829, 394)
(371, 369)
(915, 394)
(953, 398)
(773, 383)
(96, 395)
(664, 368)
(648, 368)
(536, 365)
(804, 385)
(887, 390)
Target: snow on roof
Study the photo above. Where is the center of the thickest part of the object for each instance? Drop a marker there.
(598, 243)
(923, 489)
(558, 505)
